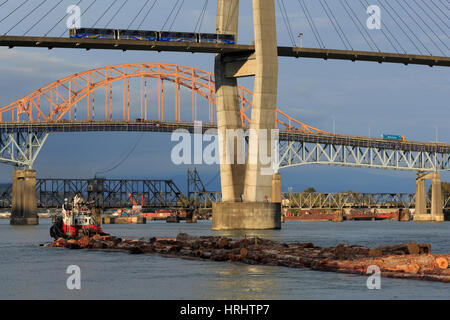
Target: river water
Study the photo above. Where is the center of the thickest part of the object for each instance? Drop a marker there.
(29, 271)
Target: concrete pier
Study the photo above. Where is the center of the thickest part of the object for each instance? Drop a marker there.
(228, 110)
(258, 183)
(246, 215)
(436, 214)
(251, 199)
(276, 188)
(24, 204)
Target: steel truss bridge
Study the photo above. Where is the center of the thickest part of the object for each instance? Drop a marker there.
(114, 193)
(83, 102)
(107, 193)
(306, 200)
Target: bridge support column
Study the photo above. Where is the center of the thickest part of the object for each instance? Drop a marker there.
(420, 213)
(228, 111)
(276, 188)
(24, 204)
(251, 183)
(437, 213)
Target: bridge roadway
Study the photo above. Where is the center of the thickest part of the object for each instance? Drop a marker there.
(168, 126)
(318, 53)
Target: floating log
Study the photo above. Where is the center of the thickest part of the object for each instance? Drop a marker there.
(424, 248)
(408, 248)
(442, 262)
(408, 261)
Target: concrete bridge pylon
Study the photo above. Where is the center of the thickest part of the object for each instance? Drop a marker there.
(436, 214)
(24, 203)
(247, 199)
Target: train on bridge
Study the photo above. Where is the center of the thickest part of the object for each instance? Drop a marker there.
(145, 35)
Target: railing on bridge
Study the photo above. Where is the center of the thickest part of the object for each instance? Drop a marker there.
(164, 193)
(312, 200)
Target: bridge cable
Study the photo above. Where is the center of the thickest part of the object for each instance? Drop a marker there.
(431, 18)
(334, 25)
(170, 14)
(26, 16)
(199, 23)
(286, 21)
(82, 14)
(54, 26)
(146, 15)
(426, 24)
(439, 17)
(176, 15)
(117, 12)
(363, 27)
(39, 20)
(365, 6)
(140, 11)
(356, 24)
(212, 180)
(14, 11)
(441, 3)
(440, 8)
(311, 23)
(124, 159)
(407, 26)
(400, 27)
(337, 23)
(1, 4)
(104, 12)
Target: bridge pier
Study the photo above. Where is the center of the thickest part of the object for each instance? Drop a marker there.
(228, 110)
(436, 214)
(247, 198)
(24, 204)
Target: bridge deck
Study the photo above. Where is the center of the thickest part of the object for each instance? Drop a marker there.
(167, 126)
(318, 53)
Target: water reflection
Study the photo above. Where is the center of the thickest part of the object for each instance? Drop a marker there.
(237, 281)
(28, 271)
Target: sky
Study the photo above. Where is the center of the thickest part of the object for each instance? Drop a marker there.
(360, 97)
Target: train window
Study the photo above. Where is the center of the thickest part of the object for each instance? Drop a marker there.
(208, 35)
(226, 37)
(95, 31)
(177, 35)
(139, 33)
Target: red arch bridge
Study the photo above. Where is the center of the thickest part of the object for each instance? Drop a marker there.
(159, 97)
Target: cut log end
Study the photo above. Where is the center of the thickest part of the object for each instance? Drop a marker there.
(442, 263)
(243, 252)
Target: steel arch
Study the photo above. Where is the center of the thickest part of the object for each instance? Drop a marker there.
(58, 101)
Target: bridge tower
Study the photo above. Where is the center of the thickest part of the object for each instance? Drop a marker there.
(436, 214)
(247, 200)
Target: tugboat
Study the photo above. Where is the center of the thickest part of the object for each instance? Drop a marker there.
(77, 220)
